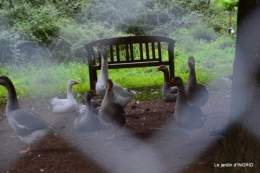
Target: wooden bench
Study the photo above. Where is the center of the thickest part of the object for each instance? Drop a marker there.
(130, 52)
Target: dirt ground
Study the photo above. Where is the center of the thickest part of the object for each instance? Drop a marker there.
(149, 142)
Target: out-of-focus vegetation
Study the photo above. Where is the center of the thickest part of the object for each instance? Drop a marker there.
(42, 41)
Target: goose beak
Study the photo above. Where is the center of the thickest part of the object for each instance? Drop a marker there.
(158, 68)
(100, 46)
(76, 82)
(171, 82)
(191, 61)
(95, 94)
(108, 85)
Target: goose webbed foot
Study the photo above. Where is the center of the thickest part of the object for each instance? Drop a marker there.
(187, 142)
(26, 151)
(114, 135)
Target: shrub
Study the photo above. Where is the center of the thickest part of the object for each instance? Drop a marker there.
(201, 32)
(137, 17)
(17, 49)
(70, 44)
(226, 42)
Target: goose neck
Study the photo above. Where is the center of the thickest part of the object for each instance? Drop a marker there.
(181, 98)
(12, 101)
(69, 92)
(166, 76)
(88, 102)
(192, 75)
(109, 96)
(166, 84)
(104, 67)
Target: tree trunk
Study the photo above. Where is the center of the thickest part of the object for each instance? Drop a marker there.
(242, 144)
(208, 2)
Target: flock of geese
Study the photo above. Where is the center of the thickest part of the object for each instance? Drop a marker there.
(31, 127)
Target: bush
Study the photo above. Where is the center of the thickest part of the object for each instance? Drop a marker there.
(19, 50)
(226, 42)
(203, 33)
(57, 30)
(70, 45)
(137, 17)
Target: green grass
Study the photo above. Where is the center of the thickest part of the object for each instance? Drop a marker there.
(52, 80)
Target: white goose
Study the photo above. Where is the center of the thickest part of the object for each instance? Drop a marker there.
(65, 105)
(122, 96)
(29, 126)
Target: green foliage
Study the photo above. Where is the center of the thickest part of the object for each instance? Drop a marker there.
(40, 20)
(138, 17)
(41, 42)
(38, 23)
(203, 8)
(212, 12)
(213, 59)
(47, 79)
(58, 30)
(17, 49)
(32, 29)
(74, 37)
(228, 5)
(201, 32)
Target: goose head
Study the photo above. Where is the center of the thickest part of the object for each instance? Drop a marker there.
(90, 94)
(72, 82)
(69, 89)
(176, 81)
(109, 84)
(102, 50)
(162, 68)
(12, 97)
(191, 61)
(4, 81)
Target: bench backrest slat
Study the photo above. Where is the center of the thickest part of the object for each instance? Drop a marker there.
(111, 53)
(126, 52)
(147, 51)
(159, 52)
(141, 51)
(153, 50)
(132, 52)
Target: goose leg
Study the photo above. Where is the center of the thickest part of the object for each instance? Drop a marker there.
(27, 150)
(187, 141)
(114, 135)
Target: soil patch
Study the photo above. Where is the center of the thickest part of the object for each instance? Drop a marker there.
(149, 142)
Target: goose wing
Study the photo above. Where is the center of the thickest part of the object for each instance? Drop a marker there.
(24, 122)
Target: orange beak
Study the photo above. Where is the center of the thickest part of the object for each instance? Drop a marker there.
(100, 46)
(158, 68)
(108, 85)
(171, 82)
